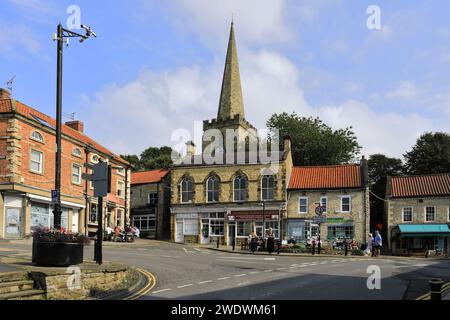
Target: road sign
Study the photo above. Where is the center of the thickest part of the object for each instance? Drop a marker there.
(320, 210)
(320, 219)
(54, 196)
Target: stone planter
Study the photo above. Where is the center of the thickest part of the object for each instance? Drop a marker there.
(57, 254)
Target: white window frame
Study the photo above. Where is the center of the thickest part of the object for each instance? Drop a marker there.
(237, 228)
(120, 182)
(242, 177)
(74, 152)
(208, 191)
(40, 163)
(326, 201)
(267, 189)
(120, 171)
(403, 214)
(349, 204)
(181, 190)
(300, 206)
(152, 193)
(434, 212)
(40, 139)
(217, 222)
(80, 180)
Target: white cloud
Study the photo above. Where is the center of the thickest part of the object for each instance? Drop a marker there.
(13, 37)
(257, 21)
(406, 90)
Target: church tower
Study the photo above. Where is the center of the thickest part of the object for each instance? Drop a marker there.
(231, 114)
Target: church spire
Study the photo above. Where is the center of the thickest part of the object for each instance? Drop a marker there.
(231, 102)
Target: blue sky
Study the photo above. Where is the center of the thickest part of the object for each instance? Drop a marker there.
(157, 66)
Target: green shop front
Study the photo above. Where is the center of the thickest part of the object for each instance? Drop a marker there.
(420, 239)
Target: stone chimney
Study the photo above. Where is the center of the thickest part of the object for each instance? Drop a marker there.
(287, 142)
(4, 94)
(76, 125)
(190, 148)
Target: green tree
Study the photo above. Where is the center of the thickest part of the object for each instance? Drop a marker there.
(313, 142)
(133, 160)
(380, 167)
(430, 155)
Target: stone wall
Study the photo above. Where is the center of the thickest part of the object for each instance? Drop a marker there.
(55, 283)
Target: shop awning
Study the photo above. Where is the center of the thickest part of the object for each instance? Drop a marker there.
(424, 230)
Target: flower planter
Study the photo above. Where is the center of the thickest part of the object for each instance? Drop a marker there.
(57, 254)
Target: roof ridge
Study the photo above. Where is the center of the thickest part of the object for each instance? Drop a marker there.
(330, 166)
(421, 175)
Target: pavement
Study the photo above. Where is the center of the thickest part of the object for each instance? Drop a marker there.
(189, 272)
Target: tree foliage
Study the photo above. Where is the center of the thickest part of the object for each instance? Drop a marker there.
(315, 143)
(151, 159)
(430, 155)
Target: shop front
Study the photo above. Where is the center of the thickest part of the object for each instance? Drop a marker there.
(421, 239)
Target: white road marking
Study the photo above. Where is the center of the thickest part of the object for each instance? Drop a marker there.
(198, 249)
(254, 272)
(185, 286)
(240, 275)
(159, 291)
(279, 269)
(268, 271)
(207, 281)
(269, 259)
(243, 283)
(224, 278)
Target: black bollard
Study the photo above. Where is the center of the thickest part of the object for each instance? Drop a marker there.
(436, 289)
(346, 248)
(234, 244)
(313, 248)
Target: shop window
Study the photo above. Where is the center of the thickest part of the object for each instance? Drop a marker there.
(244, 228)
(275, 225)
(217, 227)
(144, 223)
(340, 232)
(190, 227)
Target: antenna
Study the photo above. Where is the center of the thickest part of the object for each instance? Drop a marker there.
(70, 116)
(9, 84)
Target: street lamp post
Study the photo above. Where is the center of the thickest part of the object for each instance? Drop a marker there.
(62, 35)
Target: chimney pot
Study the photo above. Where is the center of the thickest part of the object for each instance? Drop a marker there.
(4, 94)
(76, 125)
(287, 142)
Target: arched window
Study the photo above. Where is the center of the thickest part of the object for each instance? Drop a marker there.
(268, 188)
(187, 190)
(37, 136)
(212, 189)
(77, 152)
(240, 192)
(95, 158)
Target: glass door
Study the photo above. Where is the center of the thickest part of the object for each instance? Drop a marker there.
(205, 231)
(13, 229)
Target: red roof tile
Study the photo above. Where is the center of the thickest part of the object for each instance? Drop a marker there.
(6, 106)
(326, 177)
(420, 186)
(143, 177)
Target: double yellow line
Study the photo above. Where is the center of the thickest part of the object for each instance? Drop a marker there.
(427, 296)
(151, 282)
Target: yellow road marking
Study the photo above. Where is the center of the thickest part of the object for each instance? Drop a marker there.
(151, 279)
(427, 296)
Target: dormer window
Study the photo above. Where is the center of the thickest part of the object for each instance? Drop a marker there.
(77, 152)
(37, 136)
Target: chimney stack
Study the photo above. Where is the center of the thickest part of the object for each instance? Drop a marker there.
(287, 142)
(5, 94)
(76, 125)
(365, 171)
(190, 147)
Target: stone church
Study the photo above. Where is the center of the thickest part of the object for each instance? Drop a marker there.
(232, 186)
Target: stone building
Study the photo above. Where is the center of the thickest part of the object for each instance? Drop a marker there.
(240, 191)
(27, 173)
(418, 213)
(150, 197)
(341, 190)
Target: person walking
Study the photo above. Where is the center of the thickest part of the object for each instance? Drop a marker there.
(253, 242)
(368, 250)
(270, 241)
(378, 240)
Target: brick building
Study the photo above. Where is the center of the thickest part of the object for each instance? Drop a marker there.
(342, 190)
(418, 213)
(27, 173)
(150, 197)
